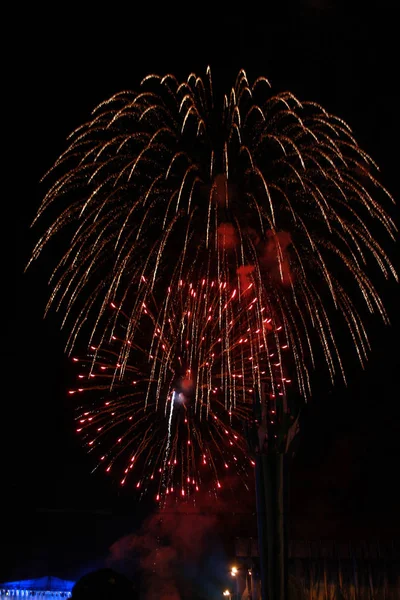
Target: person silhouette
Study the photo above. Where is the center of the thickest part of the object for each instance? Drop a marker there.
(104, 584)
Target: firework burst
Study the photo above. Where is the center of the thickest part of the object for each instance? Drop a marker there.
(160, 186)
(265, 197)
(172, 409)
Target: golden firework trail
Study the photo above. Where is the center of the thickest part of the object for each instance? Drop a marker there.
(172, 206)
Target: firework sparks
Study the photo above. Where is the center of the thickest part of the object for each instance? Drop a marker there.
(152, 187)
(267, 207)
(173, 405)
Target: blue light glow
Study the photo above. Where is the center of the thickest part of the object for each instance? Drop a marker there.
(48, 588)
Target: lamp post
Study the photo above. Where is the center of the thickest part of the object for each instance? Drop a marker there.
(234, 573)
(251, 586)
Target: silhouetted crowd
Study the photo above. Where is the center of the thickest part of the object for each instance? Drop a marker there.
(104, 584)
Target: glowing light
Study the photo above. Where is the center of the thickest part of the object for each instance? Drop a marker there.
(190, 290)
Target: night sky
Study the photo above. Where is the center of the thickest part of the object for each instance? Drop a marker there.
(58, 518)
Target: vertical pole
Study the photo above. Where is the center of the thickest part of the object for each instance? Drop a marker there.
(272, 525)
(282, 520)
(261, 524)
(271, 474)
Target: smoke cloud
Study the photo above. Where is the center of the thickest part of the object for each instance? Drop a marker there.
(182, 551)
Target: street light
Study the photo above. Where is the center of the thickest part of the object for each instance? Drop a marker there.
(226, 593)
(234, 572)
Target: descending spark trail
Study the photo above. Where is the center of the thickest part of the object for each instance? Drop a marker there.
(221, 238)
(153, 187)
(173, 411)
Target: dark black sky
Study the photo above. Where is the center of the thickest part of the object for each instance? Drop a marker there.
(344, 481)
